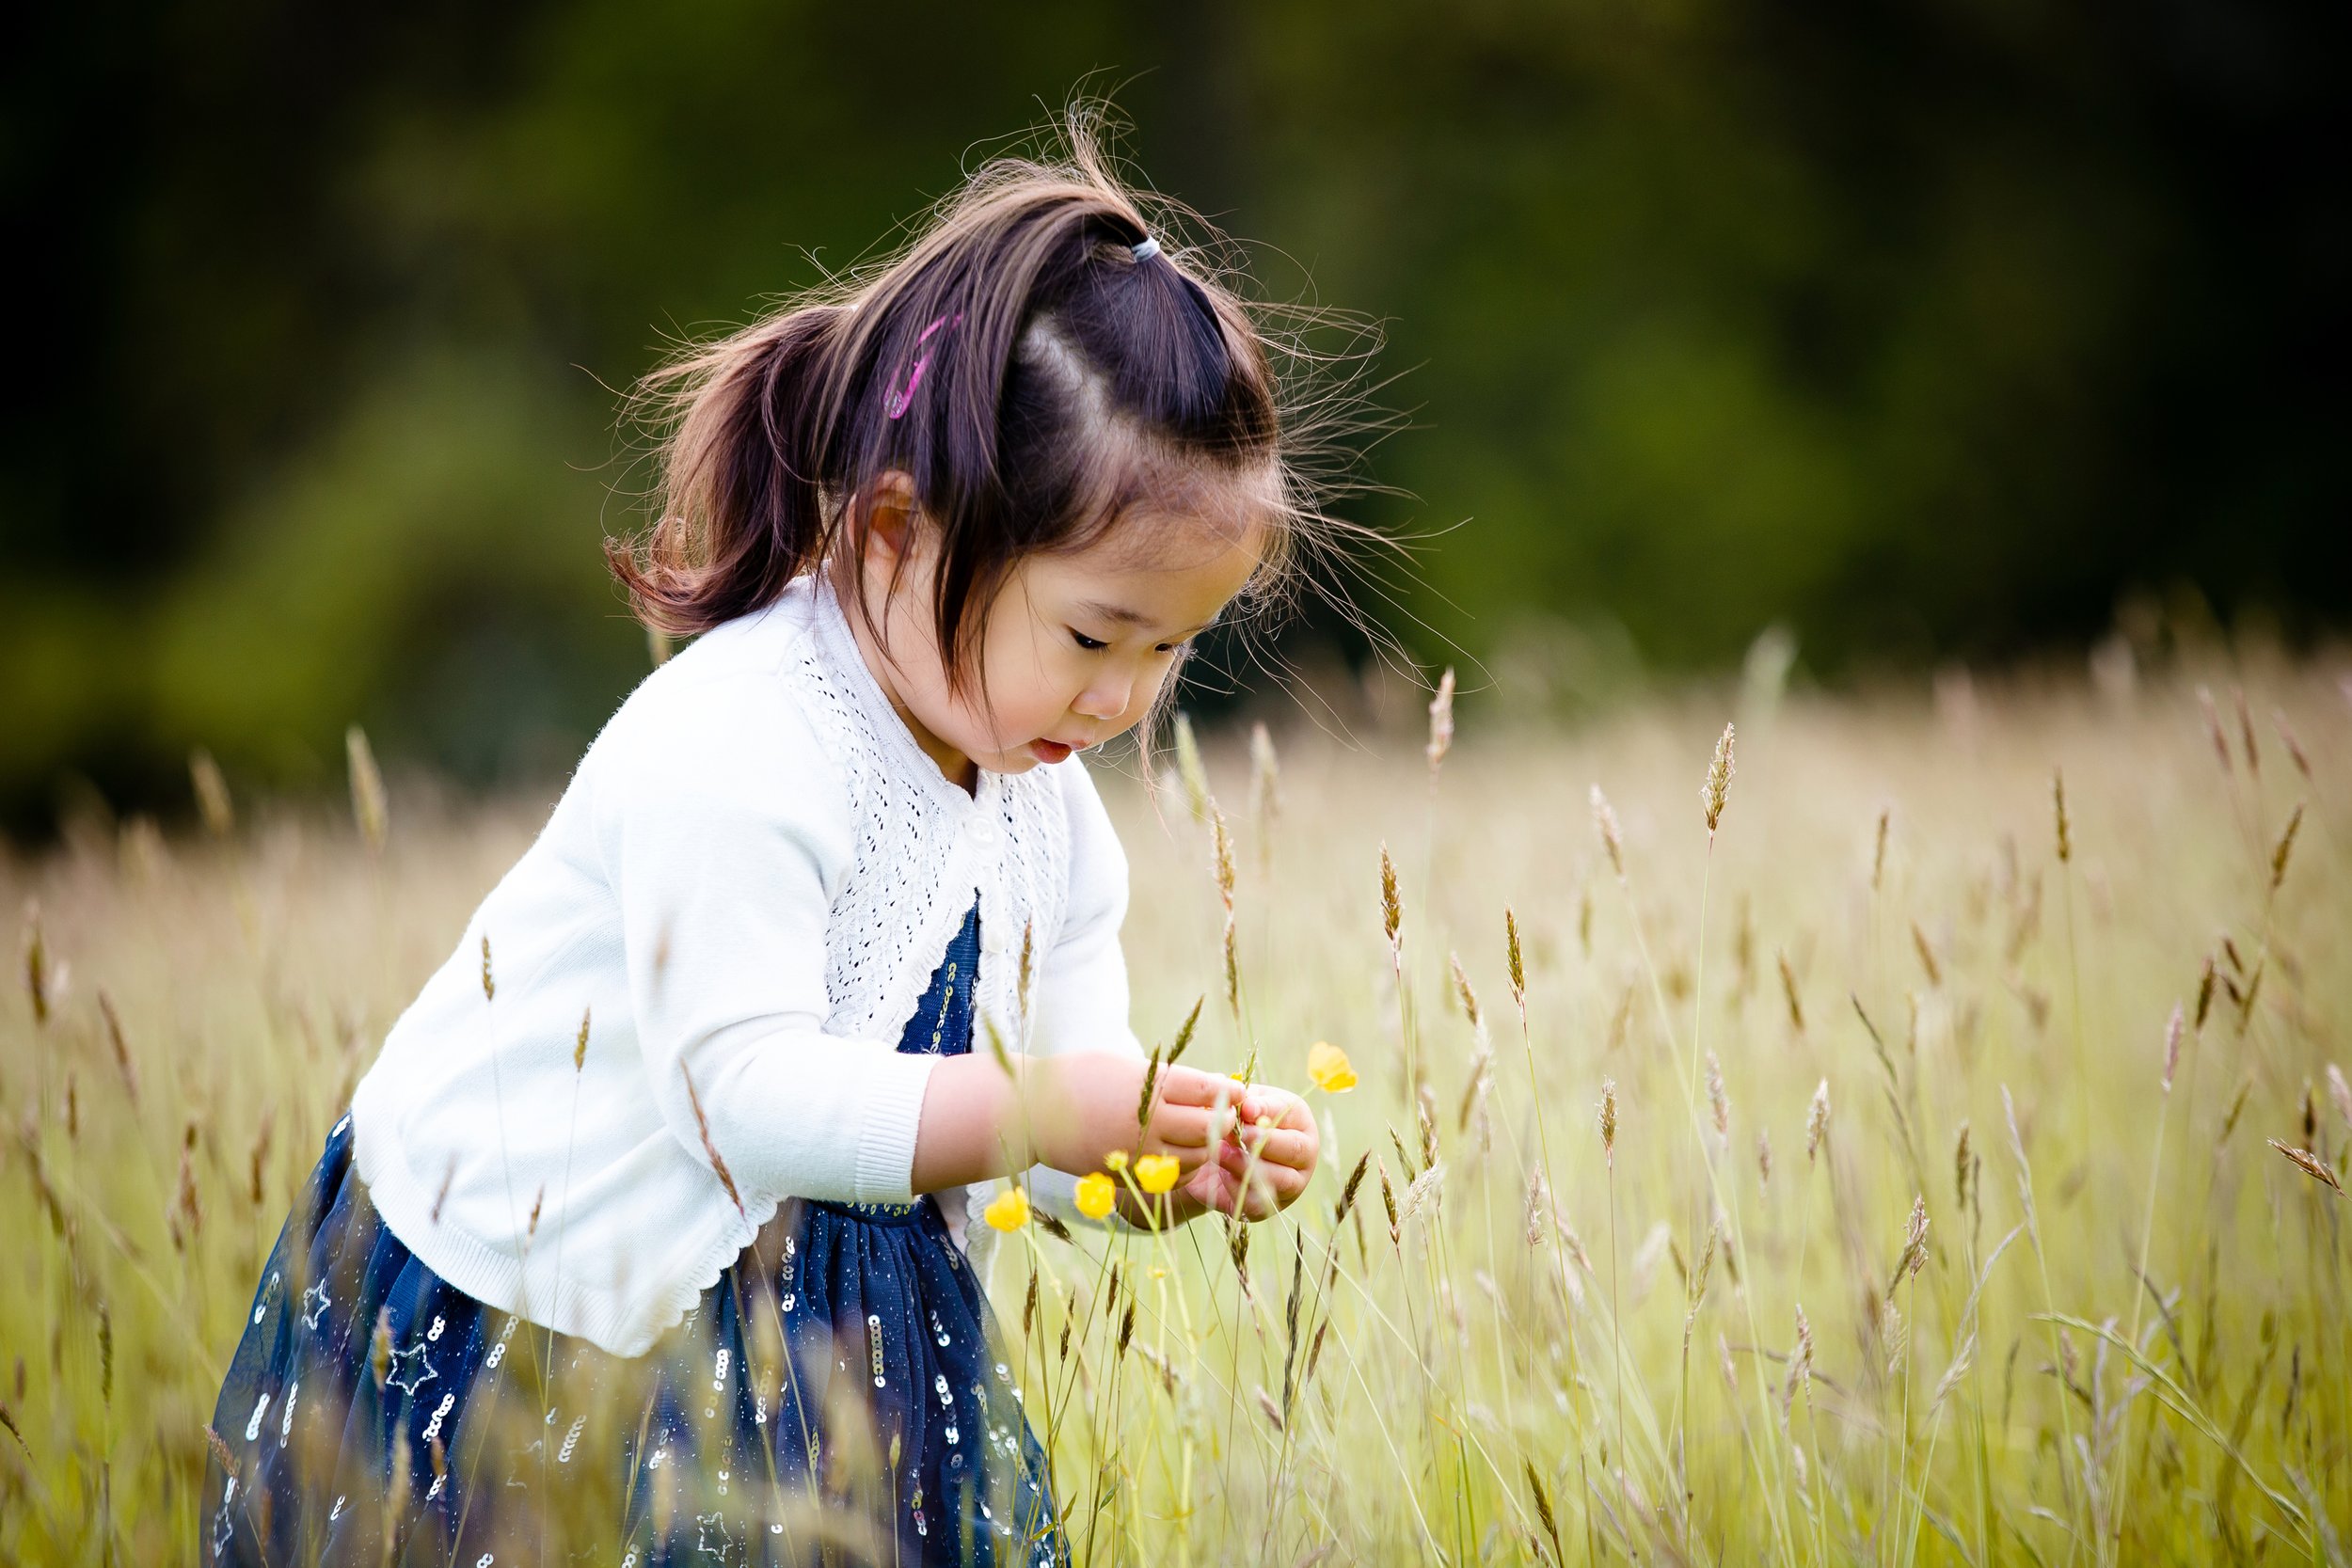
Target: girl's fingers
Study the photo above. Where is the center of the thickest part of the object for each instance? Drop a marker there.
(1183, 1128)
(1285, 1181)
(1278, 1106)
(1184, 1085)
(1281, 1147)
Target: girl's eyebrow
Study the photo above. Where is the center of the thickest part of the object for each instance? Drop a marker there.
(1115, 613)
(1121, 615)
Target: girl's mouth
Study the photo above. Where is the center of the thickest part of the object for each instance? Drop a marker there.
(1048, 751)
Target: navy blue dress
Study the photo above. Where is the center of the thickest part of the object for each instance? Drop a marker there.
(838, 1396)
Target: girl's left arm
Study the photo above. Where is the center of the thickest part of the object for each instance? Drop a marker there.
(1079, 1000)
(1081, 1004)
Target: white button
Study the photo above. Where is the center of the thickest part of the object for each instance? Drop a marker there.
(983, 833)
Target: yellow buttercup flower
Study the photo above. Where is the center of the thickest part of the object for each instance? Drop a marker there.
(1156, 1173)
(1008, 1211)
(1115, 1160)
(1096, 1193)
(1326, 1064)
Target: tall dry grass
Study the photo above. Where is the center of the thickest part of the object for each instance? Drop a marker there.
(1924, 1145)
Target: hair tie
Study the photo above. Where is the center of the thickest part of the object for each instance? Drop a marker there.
(1148, 249)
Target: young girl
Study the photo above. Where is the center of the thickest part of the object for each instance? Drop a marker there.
(821, 938)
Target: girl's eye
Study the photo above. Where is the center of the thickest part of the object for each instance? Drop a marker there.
(1089, 644)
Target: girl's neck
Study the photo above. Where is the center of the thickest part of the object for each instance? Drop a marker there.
(953, 765)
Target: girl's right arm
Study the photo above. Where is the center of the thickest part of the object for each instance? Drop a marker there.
(1067, 1112)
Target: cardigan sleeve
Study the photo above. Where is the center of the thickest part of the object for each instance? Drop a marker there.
(1081, 983)
(724, 830)
(1082, 1002)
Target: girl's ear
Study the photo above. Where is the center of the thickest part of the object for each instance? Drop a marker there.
(886, 523)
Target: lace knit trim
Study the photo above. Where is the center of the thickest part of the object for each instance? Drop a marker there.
(923, 847)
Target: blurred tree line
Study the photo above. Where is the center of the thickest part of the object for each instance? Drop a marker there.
(1923, 329)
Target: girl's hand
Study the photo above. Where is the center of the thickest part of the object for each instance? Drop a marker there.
(1088, 1109)
(1259, 1169)
(1276, 1128)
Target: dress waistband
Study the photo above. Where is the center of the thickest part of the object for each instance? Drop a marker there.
(879, 1213)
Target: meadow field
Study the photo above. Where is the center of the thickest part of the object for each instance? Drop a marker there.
(1916, 1141)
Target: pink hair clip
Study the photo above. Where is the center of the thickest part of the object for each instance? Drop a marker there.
(903, 398)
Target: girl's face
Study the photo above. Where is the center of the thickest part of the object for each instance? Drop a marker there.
(1077, 643)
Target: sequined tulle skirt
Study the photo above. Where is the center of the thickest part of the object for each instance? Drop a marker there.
(838, 1397)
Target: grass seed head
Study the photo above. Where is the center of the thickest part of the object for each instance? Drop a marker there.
(1266, 1406)
(1511, 953)
(2171, 1047)
(1817, 1121)
(368, 807)
(380, 1351)
(1717, 789)
(1265, 777)
(702, 1125)
(1150, 1083)
(1800, 1368)
(2245, 732)
(1028, 962)
(2310, 1164)
(1462, 991)
(2285, 847)
(38, 980)
(1717, 1100)
(1789, 988)
(2205, 993)
(1605, 823)
(2237, 1108)
(1441, 719)
(1232, 953)
(1543, 1507)
(1915, 1237)
(1391, 905)
(1878, 852)
(213, 803)
(2287, 738)
(1763, 1158)
(1961, 1166)
(1927, 955)
(580, 1046)
(2057, 801)
(1608, 1121)
(1348, 1192)
(1183, 1035)
(1189, 767)
(1221, 855)
(121, 1047)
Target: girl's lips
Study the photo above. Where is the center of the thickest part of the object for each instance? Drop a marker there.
(1048, 751)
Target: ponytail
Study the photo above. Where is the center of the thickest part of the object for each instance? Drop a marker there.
(743, 512)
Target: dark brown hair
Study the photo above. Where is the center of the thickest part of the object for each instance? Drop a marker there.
(1017, 359)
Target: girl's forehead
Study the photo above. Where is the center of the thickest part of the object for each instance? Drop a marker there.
(1161, 570)
(1189, 517)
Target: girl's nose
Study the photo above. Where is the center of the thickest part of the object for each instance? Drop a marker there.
(1104, 699)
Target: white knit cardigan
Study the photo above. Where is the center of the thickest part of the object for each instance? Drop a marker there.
(737, 905)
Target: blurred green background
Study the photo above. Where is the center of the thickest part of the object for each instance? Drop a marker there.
(1926, 330)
